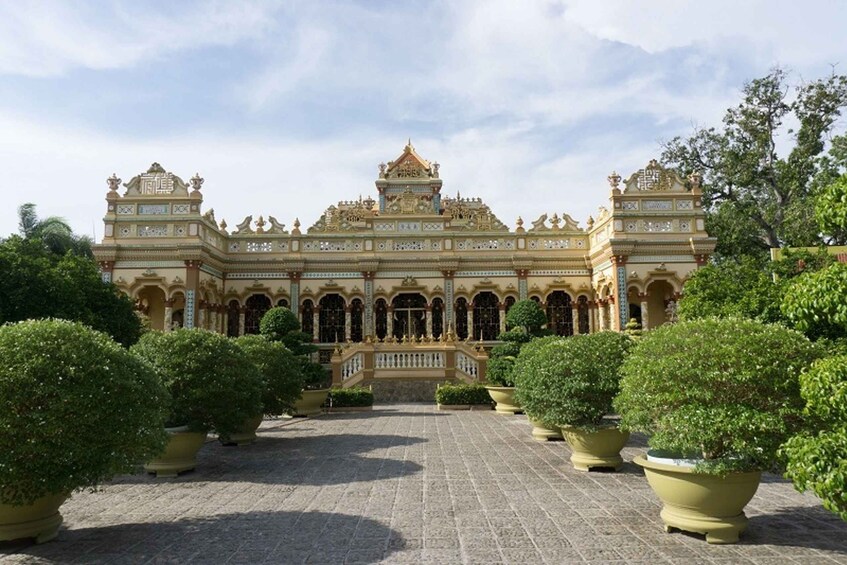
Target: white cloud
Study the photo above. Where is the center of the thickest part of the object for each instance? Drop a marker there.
(50, 38)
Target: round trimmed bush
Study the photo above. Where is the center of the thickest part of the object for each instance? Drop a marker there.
(75, 409)
(572, 381)
(501, 362)
(280, 370)
(526, 314)
(281, 324)
(816, 459)
(726, 390)
(213, 383)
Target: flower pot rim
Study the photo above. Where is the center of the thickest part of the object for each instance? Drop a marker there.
(597, 427)
(491, 387)
(642, 460)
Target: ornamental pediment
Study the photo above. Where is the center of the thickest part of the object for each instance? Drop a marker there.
(156, 182)
(652, 178)
(409, 166)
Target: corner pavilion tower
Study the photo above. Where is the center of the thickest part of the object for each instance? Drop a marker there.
(410, 263)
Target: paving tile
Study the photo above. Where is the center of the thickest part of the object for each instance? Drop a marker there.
(409, 484)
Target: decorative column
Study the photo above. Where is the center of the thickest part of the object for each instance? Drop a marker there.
(224, 320)
(645, 310)
(294, 292)
(389, 322)
(348, 322)
(192, 283)
(574, 318)
(501, 308)
(470, 321)
(201, 315)
(316, 321)
(621, 312)
(169, 314)
(523, 291)
(368, 314)
(592, 312)
(106, 270)
(242, 319)
(428, 313)
(449, 322)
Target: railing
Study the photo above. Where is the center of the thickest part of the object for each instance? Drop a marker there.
(427, 358)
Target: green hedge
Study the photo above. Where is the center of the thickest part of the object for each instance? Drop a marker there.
(350, 397)
(451, 394)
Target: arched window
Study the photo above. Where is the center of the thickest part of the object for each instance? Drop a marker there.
(486, 316)
(233, 314)
(357, 311)
(282, 303)
(331, 319)
(256, 305)
(536, 299)
(460, 312)
(437, 317)
(307, 320)
(510, 301)
(409, 315)
(559, 313)
(583, 312)
(381, 318)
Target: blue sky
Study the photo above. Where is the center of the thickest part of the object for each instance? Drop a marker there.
(288, 107)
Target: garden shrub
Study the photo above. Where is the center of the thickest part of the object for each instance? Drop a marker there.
(815, 302)
(526, 314)
(817, 459)
(724, 389)
(572, 381)
(280, 371)
(281, 324)
(350, 397)
(501, 363)
(213, 383)
(459, 394)
(75, 409)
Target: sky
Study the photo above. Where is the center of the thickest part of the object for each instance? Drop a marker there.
(288, 107)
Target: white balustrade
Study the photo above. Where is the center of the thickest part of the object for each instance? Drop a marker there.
(467, 365)
(352, 366)
(409, 360)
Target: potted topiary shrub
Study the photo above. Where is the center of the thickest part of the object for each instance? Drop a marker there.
(213, 384)
(571, 382)
(75, 409)
(282, 382)
(816, 457)
(718, 397)
(280, 324)
(541, 431)
(524, 320)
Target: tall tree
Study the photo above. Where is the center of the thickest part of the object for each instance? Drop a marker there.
(755, 198)
(53, 231)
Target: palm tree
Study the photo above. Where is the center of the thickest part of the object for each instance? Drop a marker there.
(53, 231)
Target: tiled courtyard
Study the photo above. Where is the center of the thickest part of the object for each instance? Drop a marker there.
(409, 484)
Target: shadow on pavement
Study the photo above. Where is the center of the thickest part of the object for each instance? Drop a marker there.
(251, 537)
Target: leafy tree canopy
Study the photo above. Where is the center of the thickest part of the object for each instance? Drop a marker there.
(757, 199)
(37, 283)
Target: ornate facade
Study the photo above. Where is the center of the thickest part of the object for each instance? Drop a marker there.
(411, 263)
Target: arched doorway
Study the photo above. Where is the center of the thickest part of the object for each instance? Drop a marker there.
(486, 316)
(409, 315)
(151, 303)
(659, 295)
(256, 306)
(331, 319)
(233, 315)
(381, 318)
(559, 313)
(460, 314)
(357, 316)
(584, 314)
(307, 317)
(437, 317)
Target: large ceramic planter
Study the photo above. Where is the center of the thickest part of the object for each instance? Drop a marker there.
(310, 402)
(180, 453)
(541, 432)
(504, 396)
(39, 520)
(701, 503)
(598, 449)
(246, 434)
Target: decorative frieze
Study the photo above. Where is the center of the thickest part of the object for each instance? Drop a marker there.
(153, 209)
(259, 246)
(126, 209)
(656, 226)
(661, 205)
(152, 231)
(684, 205)
(484, 244)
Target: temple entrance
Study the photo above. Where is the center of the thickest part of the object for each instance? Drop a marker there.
(409, 315)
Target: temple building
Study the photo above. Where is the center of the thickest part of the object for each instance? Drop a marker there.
(409, 263)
